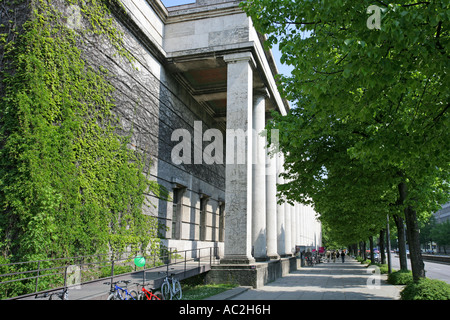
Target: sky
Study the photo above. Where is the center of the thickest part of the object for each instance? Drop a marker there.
(171, 3)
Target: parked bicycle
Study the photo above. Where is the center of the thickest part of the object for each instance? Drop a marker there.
(119, 293)
(60, 295)
(171, 288)
(310, 261)
(145, 294)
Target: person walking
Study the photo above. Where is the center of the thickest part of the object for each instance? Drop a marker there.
(334, 256)
(343, 256)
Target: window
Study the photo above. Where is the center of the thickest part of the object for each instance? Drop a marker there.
(176, 214)
(203, 213)
(221, 221)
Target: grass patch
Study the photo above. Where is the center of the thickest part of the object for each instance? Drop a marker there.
(195, 288)
(202, 291)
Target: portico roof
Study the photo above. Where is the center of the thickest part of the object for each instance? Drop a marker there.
(196, 38)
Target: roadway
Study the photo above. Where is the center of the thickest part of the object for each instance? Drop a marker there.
(433, 270)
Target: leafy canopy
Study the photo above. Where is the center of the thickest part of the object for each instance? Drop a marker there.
(372, 105)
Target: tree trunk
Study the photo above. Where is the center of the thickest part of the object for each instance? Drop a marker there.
(363, 250)
(401, 242)
(412, 233)
(382, 248)
(372, 256)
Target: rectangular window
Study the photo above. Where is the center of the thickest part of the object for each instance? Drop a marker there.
(221, 221)
(203, 212)
(176, 214)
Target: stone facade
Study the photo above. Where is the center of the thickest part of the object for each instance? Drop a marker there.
(202, 67)
(202, 78)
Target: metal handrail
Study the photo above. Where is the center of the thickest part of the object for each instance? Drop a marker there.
(126, 257)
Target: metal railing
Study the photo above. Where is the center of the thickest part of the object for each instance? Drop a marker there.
(23, 279)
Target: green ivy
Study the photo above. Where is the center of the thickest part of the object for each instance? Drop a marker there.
(69, 185)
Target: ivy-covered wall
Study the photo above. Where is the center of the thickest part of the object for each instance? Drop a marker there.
(87, 109)
(69, 182)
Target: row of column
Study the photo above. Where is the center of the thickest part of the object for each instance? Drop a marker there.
(256, 227)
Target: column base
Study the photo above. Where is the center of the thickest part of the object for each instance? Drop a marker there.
(255, 275)
(273, 256)
(262, 259)
(237, 260)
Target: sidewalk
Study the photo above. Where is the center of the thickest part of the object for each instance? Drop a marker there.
(326, 281)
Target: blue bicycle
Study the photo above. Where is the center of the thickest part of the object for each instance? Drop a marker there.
(118, 293)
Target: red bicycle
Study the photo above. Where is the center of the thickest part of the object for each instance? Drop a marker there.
(145, 294)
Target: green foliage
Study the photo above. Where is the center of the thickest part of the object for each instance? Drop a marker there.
(400, 277)
(194, 288)
(441, 233)
(69, 185)
(426, 289)
(371, 108)
(200, 292)
(384, 268)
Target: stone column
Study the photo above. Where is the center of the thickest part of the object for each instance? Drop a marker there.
(293, 226)
(300, 224)
(281, 226)
(271, 206)
(259, 178)
(238, 171)
(288, 228)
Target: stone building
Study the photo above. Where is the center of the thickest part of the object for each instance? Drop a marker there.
(212, 77)
(197, 97)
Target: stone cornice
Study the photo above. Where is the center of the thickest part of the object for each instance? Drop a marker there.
(196, 12)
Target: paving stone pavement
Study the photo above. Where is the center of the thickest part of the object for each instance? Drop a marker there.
(350, 280)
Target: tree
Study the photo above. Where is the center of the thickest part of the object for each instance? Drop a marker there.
(441, 234)
(383, 93)
(426, 229)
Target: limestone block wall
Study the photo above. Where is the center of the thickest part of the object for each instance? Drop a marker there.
(207, 30)
(152, 105)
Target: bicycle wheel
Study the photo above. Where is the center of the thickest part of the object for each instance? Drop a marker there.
(133, 294)
(158, 294)
(112, 296)
(177, 289)
(166, 292)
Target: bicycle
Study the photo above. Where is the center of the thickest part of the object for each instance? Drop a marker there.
(118, 293)
(145, 294)
(62, 295)
(171, 288)
(310, 261)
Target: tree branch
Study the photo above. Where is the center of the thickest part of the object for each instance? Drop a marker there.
(415, 4)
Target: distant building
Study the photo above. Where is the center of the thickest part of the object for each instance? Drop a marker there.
(443, 214)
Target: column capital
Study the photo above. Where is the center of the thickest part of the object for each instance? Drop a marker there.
(240, 57)
(261, 92)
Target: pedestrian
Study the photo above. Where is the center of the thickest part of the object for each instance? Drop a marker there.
(343, 256)
(334, 256)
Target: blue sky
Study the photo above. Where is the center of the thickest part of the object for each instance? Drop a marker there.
(171, 3)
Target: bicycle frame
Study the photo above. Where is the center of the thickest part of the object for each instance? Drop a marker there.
(171, 286)
(150, 295)
(120, 291)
